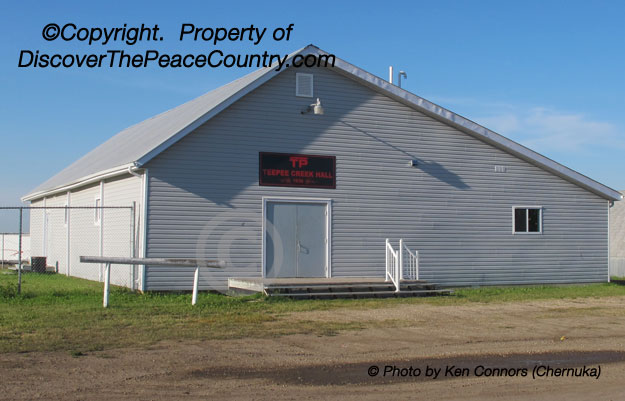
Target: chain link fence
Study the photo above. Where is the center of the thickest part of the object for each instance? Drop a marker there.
(45, 241)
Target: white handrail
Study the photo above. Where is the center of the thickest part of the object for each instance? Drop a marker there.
(401, 259)
(410, 272)
(392, 265)
(399, 268)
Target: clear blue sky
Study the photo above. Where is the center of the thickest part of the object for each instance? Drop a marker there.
(548, 74)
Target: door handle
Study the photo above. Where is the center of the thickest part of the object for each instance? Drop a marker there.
(301, 249)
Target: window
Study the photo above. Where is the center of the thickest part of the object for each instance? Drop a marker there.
(527, 220)
(304, 85)
(97, 216)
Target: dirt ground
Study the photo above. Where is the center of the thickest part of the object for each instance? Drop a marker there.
(509, 336)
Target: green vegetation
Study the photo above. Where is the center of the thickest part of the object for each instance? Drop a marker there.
(55, 312)
(532, 293)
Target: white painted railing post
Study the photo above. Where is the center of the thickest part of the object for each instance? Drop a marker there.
(401, 260)
(417, 263)
(107, 280)
(396, 269)
(386, 253)
(196, 278)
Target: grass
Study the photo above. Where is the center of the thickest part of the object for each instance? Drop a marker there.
(57, 313)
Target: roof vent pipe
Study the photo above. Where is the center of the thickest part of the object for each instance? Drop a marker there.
(390, 74)
(401, 73)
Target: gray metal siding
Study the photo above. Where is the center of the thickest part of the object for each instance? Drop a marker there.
(204, 197)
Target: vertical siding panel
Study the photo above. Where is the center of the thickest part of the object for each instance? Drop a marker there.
(56, 231)
(118, 237)
(36, 229)
(85, 234)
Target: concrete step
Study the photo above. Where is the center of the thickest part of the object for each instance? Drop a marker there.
(351, 288)
(361, 294)
(336, 287)
(352, 285)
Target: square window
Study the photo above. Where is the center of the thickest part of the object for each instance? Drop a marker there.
(527, 220)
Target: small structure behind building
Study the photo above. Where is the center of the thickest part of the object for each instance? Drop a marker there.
(617, 239)
(9, 248)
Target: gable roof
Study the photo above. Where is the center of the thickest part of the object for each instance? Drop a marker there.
(136, 145)
(140, 142)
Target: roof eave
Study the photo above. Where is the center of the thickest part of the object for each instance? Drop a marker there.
(477, 130)
(86, 180)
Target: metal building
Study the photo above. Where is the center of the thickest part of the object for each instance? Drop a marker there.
(305, 172)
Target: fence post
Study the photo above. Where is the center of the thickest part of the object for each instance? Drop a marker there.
(196, 279)
(19, 256)
(132, 245)
(107, 279)
(3, 251)
(101, 235)
(68, 243)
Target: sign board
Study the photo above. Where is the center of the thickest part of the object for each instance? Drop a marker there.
(294, 170)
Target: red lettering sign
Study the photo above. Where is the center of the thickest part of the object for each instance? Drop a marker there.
(292, 170)
(301, 161)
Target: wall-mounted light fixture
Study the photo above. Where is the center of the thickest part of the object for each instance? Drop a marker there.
(316, 108)
(414, 163)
